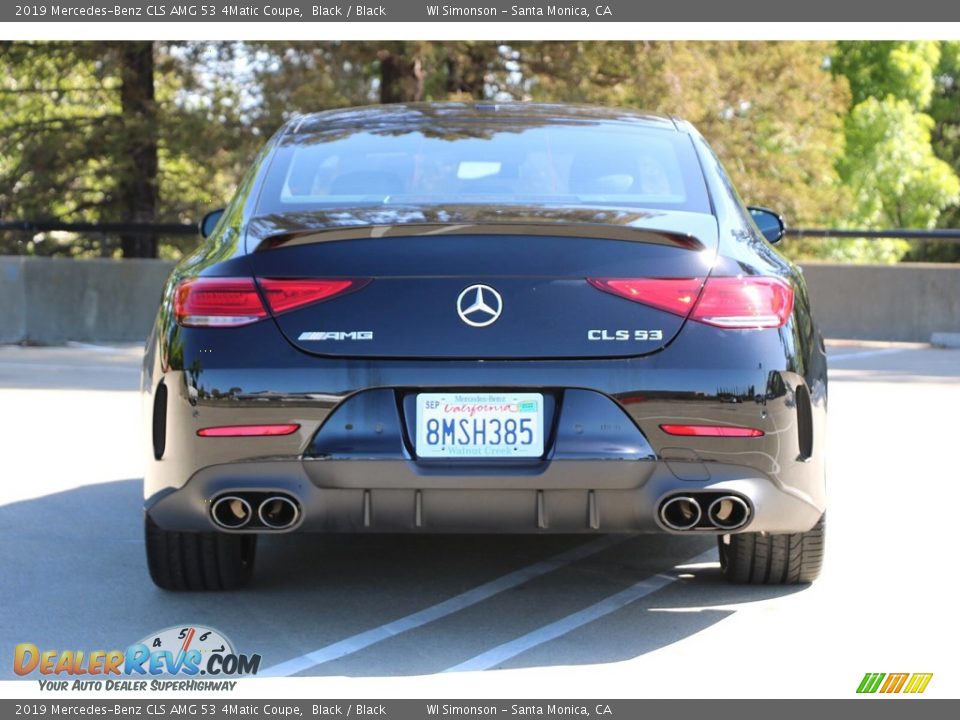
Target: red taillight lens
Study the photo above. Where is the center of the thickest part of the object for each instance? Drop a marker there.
(248, 430)
(675, 295)
(711, 430)
(283, 295)
(231, 302)
(217, 302)
(745, 302)
(727, 302)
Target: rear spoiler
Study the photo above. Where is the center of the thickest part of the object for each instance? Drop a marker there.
(560, 229)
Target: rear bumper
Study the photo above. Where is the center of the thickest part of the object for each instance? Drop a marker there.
(607, 468)
(394, 496)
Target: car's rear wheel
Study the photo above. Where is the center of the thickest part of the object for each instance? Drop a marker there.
(766, 559)
(198, 560)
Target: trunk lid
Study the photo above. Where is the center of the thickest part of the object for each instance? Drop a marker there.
(455, 283)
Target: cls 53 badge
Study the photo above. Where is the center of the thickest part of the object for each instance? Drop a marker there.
(625, 335)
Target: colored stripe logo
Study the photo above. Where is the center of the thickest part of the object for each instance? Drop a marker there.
(894, 682)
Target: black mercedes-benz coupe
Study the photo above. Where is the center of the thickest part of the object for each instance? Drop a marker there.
(474, 318)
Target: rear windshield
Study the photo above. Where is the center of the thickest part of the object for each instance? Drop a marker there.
(582, 163)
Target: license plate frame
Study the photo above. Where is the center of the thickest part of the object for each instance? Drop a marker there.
(485, 414)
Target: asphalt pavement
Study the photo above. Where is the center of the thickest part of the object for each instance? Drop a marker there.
(491, 616)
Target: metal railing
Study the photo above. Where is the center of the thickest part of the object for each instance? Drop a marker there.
(947, 235)
(119, 228)
(130, 228)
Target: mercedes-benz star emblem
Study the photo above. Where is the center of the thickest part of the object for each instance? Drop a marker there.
(479, 305)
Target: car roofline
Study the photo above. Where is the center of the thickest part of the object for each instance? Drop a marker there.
(409, 114)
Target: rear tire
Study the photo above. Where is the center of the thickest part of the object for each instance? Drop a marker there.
(198, 560)
(764, 559)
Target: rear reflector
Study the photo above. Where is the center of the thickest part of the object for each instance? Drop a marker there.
(726, 302)
(711, 430)
(248, 430)
(232, 302)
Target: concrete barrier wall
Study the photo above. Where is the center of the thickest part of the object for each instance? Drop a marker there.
(44, 300)
(908, 301)
(51, 300)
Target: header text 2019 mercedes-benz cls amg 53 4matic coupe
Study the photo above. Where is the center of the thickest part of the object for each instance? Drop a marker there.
(513, 318)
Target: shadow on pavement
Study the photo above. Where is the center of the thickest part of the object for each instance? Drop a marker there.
(74, 577)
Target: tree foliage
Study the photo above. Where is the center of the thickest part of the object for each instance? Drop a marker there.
(890, 165)
(830, 134)
(59, 107)
(770, 110)
(891, 169)
(877, 69)
(87, 138)
(945, 111)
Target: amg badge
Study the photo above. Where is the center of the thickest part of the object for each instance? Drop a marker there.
(337, 335)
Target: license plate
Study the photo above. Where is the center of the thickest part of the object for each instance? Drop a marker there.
(479, 425)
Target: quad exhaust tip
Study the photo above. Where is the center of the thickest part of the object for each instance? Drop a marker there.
(231, 512)
(686, 512)
(680, 513)
(278, 512)
(728, 512)
(275, 512)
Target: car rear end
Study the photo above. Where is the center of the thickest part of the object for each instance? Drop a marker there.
(344, 356)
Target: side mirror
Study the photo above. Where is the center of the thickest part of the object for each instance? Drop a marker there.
(210, 221)
(770, 225)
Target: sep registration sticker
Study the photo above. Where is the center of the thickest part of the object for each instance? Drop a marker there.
(479, 425)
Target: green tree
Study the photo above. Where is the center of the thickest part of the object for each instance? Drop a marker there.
(891, 169)
(57, 102)
(828, 134)
(303, 77)
(905, 70)
(136, 158)
(945, 111)
(772, 111)
(895, 178)
(114, 132)
(890, 166)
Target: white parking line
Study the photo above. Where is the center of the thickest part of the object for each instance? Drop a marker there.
(867, 353)
(126, 348)
(357, 642)
(501, 653)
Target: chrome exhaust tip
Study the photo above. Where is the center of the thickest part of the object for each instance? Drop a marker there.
(728, 512)
(278, 512)
(231, 512)
(680, 513)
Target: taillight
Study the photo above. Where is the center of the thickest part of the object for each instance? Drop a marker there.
(675, 295)
(217, 302)
(284, 295)
(711, 430)
(726, 302)
(232, 302)
(745, 302)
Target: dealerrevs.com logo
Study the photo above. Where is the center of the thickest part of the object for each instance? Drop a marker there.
(888, 683)
(180, 651)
